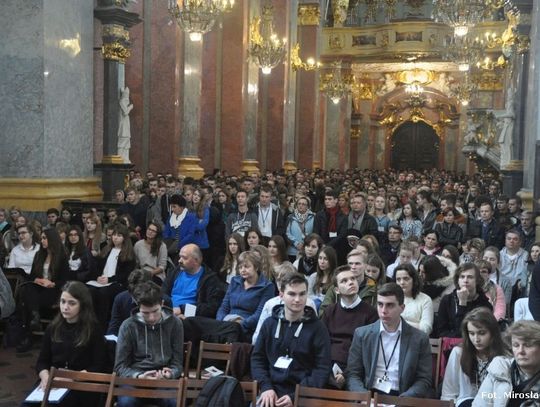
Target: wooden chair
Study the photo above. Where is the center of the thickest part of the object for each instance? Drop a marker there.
(148, 389)
(81, 381)
(187, 356)
(193, 387)
(315, 397)
(436, 349)
(381, 399)
(214, 351)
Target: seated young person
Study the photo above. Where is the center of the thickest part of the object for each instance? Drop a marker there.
(293, 347)
(277, 300)
(390, 356)
(468, 362)
(73, 341)
(50, 271)
(150, 343)
(514, 381)
(342, 318)
(418, 306)
(467, 296)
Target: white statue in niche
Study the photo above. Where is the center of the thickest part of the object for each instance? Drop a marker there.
(505, 122)
(471, 137)
(387, 84)
(124, 129)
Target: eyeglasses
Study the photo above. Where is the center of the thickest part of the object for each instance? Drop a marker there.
(23, 233)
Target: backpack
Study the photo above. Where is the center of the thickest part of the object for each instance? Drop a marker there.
(221, 391)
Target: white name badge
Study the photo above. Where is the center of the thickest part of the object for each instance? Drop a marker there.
(381, 228)
(383, 385)
(333, 234)
(283, 362)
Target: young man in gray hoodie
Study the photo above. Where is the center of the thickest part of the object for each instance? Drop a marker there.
(150, 343)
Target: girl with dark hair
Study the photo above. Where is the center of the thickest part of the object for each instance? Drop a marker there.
(431, 243)
(494, 292)
(228, 268)
(126, 220)
(73, 341)
(451, 252)
(277, 249)
(320, 281)
(374, 278)
(81, 262)
(117, 262)
(437, 274)
(151, 252)
(201, 208)
(253, 237)
(418, 310)
(409, 221)
(468, 362)
(467, 296)
(307, 263)
(50, 270)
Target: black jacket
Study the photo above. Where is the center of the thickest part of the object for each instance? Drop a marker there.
(210, 291)
(495, 233)
(320, 225)
(449, 234)
(451, 314)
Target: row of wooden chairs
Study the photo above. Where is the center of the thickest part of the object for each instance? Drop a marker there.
(185, 391)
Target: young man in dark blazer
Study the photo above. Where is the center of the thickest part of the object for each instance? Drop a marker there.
(390, 356)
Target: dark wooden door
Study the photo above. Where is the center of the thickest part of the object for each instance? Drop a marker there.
(415, 146)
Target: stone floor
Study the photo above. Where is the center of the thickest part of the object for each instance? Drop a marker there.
(17, 375)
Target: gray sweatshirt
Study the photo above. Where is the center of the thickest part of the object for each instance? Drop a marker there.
(142, 347)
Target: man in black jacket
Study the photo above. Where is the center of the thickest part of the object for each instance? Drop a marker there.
(488, 228)
(195, 284)
(330, 222)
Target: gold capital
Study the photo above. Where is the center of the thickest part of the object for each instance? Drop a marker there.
(309, 14)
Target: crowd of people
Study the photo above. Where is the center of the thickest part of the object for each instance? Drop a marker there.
(337, 278)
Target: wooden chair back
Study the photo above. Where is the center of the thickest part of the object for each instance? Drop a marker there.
(315, 397)
(436, 350)
(193, 387)
(214, 351)
(187, 357)
(381, 399)
(148, 389)
(80, 381)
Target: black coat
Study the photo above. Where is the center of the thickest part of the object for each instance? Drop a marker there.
(320, 225)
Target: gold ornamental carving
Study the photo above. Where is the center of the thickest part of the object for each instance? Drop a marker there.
(309, 14)
(115, 31)
(339, 9)
(335, 42)
(115, 52)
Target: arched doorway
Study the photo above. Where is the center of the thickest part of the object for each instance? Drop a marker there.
(415, 146)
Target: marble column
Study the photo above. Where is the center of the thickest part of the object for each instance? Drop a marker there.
(46, 103)
(530, 192)
(307, 86)
(189, 161)
(116, 21)
(250, 164)
(512, 173)
(337, 134)
(289, 112)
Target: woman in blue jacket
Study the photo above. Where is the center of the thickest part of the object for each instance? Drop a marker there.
(180, 228)
(247, 294)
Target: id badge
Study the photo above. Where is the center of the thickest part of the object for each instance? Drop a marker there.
(381, 228)
(332, 235)
(383, 385)
(283, 362)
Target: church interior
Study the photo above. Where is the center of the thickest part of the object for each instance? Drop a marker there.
(93, 90)
(263, 85)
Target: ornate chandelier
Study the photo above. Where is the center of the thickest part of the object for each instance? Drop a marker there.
(464, 52)
(336, 86)
(461, 14)
(197, 17)
(265, 46)
(464, 90)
